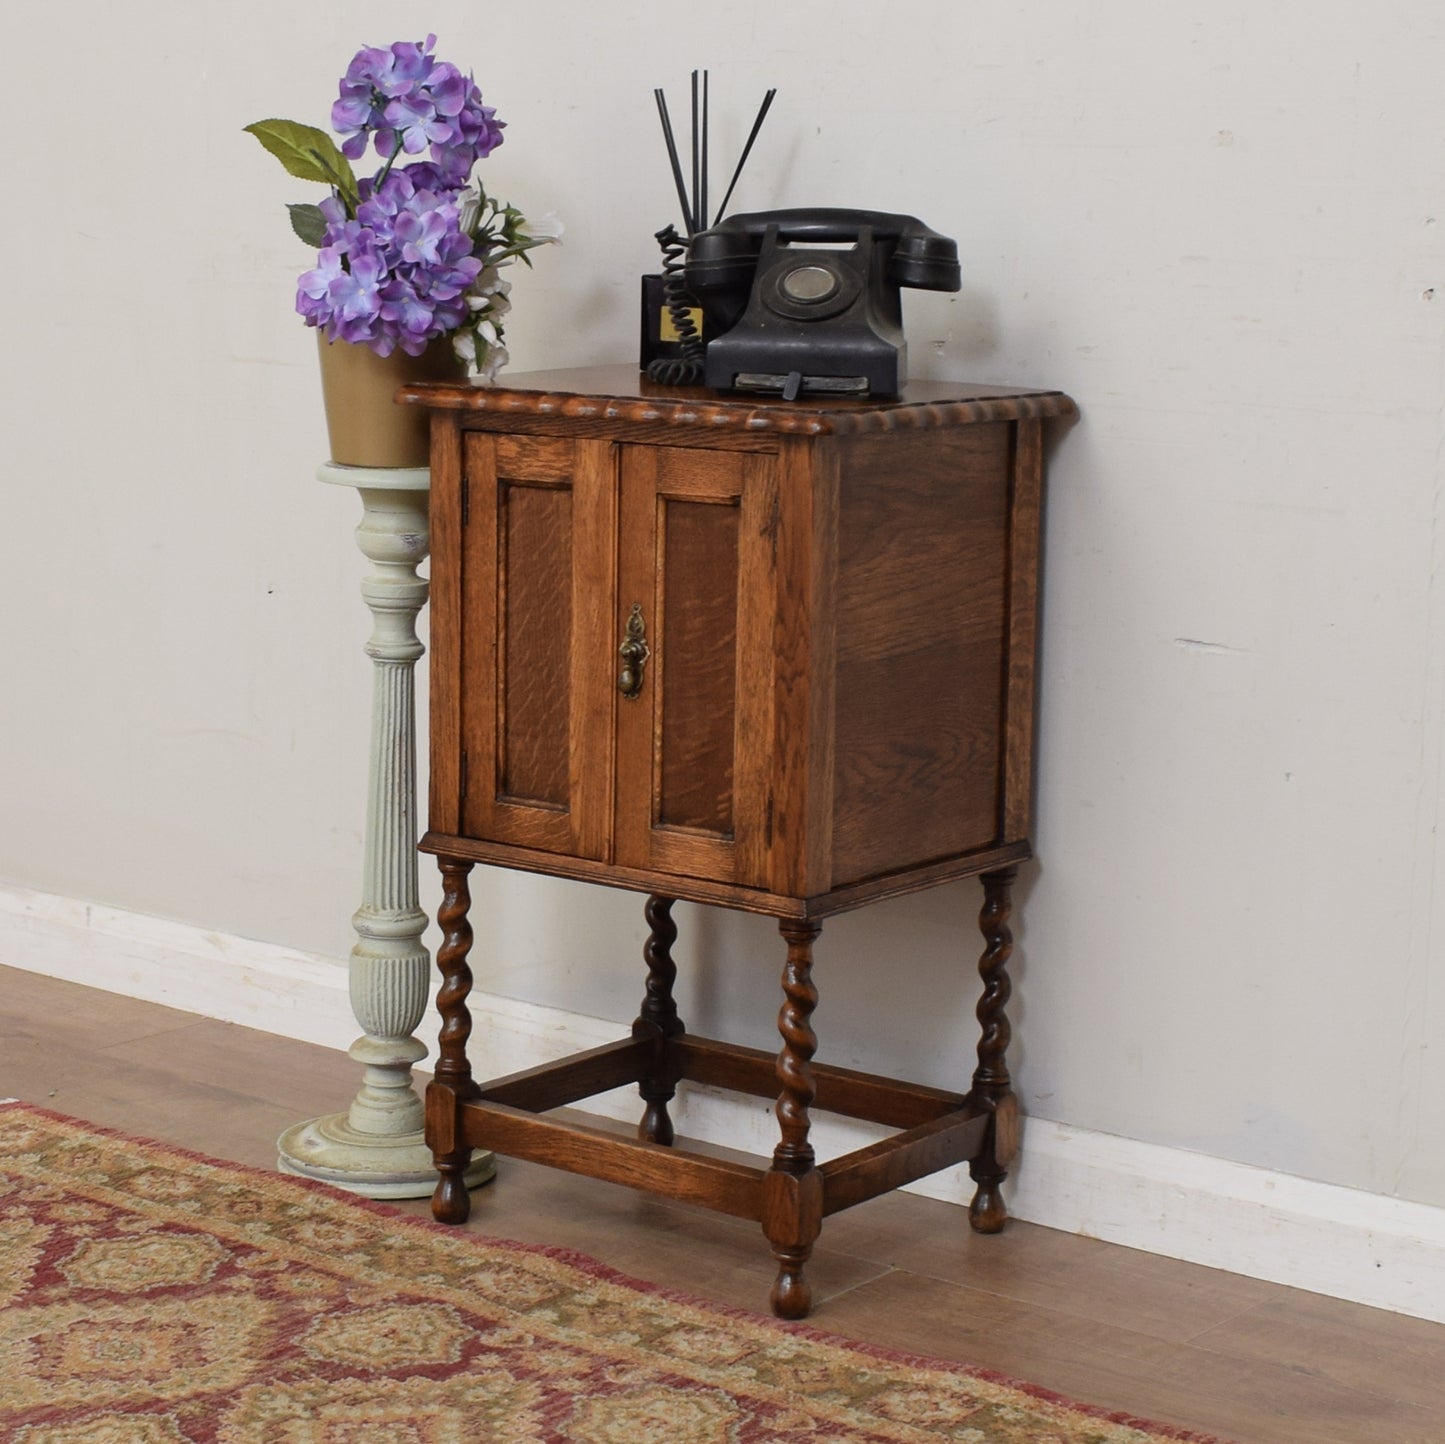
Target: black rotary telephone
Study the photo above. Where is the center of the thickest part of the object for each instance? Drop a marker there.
(807, 300)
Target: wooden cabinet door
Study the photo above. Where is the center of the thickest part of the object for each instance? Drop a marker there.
(696, 564)
(538, 581)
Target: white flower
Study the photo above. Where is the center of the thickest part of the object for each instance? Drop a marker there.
(496, 358)
(481, 350)
(496, 304)
(471, 208)
(544, 228)
(488, 283)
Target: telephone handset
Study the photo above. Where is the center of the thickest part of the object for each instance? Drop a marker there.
(807, 300)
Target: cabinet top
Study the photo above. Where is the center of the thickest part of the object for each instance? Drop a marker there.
(622, 393)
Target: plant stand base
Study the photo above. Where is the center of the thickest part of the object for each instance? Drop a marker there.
(331, 1150)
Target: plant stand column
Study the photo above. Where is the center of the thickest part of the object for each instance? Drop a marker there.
(376, 1148)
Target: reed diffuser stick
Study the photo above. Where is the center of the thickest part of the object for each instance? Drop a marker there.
(747, 151)
(695, 205)
(672, 155)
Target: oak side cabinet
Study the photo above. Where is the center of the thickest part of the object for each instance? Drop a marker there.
(757, 654)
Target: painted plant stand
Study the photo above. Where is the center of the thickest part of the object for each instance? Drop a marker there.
(376, 1147)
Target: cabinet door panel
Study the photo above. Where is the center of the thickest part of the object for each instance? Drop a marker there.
(534, 542)
(696, 553)
(698, 702)
(537, 561)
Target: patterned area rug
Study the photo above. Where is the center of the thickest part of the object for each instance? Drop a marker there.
(149, 1296)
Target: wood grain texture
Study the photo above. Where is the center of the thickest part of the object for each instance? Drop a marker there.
(755, 700)
(634, 433)
(695, 555)
(1024, 539)
(792, 678)
(658, 1025)
(892, 1162)
(537, 575)
(690, 1177)
(802, 679)
(591, 727)
(698, 562)
(619, 394)
(836, 1090)
(534, 641)
(792, 1211)
(921, 633)
(792, 1217)
(452, 1084)
(583, 1075)
(705, 890)
(992, 1088)
(453, 1067)
(447, 631)
(789, 1200)
(890, 578)
(796, 1088)
(1061, 1347)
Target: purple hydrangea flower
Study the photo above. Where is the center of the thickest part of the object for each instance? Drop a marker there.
(342, 295)
(406, 102)
(311, 289)
(409, 313)
(374, 77)
(426, 115)
(480, 129)
(356, 112)
(420, 233)
(396, 273)
(424, 176)
(401, 263)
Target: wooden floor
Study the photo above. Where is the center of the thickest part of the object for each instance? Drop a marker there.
(1170, 1341)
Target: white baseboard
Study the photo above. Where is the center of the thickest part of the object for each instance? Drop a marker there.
(1365, 1247)
(279, 990)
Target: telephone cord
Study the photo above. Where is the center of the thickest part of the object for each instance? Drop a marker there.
(684, 370)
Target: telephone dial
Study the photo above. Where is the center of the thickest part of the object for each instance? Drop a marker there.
(807, 300)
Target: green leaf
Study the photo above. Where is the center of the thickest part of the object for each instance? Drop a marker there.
(309, 224)
(307, 153)
(339, 173)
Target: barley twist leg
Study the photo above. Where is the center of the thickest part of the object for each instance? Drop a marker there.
(992, 1086)
(452, 1083)
(658, 1020)
(793, 1194)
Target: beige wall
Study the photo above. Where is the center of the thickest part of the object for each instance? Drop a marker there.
(1218, 228)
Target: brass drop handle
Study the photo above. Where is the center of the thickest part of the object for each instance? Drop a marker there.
(634, 652)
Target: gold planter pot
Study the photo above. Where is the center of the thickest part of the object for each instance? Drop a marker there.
(363, 421)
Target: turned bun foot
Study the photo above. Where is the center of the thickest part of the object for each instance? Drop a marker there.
(987, 1213)
(792, 1297)
(451, 1203)
(656, 1125)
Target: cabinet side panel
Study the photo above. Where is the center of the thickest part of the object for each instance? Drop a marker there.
(700, 583)
(1024, 536)
(922, 617)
